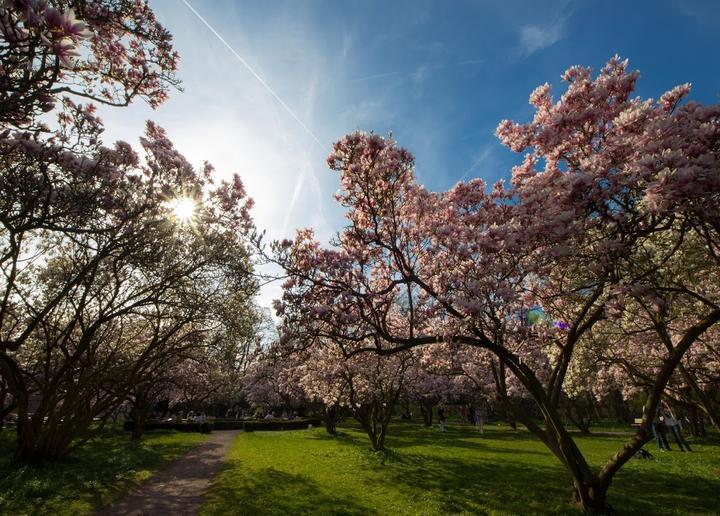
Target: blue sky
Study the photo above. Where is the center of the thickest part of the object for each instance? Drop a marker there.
(439, 75)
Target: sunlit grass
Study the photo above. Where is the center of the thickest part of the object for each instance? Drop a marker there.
(93, 476)
(458, 472)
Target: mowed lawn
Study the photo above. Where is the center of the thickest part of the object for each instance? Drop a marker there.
(456, 472)
(91, 477)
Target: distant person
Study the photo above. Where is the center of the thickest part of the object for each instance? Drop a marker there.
(658, 429)
(270, 415)
(441, 418)
(480, 419)
(671, 422)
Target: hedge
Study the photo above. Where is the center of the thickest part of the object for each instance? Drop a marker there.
(204, 428)
(247, 425)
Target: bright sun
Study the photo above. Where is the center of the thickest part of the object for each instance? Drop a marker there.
(183, 209)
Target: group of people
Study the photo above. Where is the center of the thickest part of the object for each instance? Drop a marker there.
(475, 415)
(286, 415)
(663, 422)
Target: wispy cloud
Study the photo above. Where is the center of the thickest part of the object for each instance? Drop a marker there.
(380, 76)
(254, 74)
(484, 155)
(347, 43)
(469, 62)
(536, 37)
(705, 16)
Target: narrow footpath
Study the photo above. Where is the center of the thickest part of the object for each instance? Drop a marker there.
(180, 488)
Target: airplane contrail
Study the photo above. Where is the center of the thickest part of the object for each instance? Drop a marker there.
(255, 74)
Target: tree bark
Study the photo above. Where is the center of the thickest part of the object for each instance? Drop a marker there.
(331, 419)
(426, 409)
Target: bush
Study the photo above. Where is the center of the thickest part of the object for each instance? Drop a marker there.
(204, 428)
(248, 425)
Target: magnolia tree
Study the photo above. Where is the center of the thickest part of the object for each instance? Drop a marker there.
(202, 366)
(94, 306)
(368, 385)
(271, 379)
(599, 209)
(693, 385)
(108, 51)
(441, 374)
(103, 278)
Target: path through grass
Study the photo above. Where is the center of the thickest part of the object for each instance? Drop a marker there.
(93, 476)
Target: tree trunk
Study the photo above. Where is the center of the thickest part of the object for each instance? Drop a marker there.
(575, 414)
(138, 428)
(38, 441)
(702, 400)
(591, 497)
(498, 372)
(426, 409)
(139, 414)
(374, 418)
(406, 410)
(697, 427)
(331, 419)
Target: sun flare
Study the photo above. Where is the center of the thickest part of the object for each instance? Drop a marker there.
(183, 209)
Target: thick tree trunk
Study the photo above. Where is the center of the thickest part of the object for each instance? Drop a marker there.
(374, 418)
(426, 409)
(139, 414)
(697, 426)
(37, 441)
(575, 414)
(331, 420)
(379, 440)
(591, 498)
(498, 372)
(6, 408)
(138, 428)
(406, 410)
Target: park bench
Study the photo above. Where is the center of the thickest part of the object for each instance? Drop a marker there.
(637, 422)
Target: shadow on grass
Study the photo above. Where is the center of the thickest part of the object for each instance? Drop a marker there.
(92, 475)
(463, 481)
(405, 436)
(270, 491)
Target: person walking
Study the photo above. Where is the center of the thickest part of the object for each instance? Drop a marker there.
(671, 423)
(441, 418)
(658, 429)
(480, 418)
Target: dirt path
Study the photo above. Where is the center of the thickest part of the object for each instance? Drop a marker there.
(181, 488)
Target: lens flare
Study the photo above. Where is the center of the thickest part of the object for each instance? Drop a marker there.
(183, 209)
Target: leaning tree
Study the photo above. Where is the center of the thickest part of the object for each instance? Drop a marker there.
(609, 188)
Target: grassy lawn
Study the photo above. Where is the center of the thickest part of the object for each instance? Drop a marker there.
(93, 476)
(426, 472)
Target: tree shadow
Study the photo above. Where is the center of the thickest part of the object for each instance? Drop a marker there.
(92, 475)
(269, 491)
(471, 481)
(406, 436)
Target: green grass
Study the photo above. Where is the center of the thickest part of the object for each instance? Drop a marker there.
(91, 477)
(426, 472)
